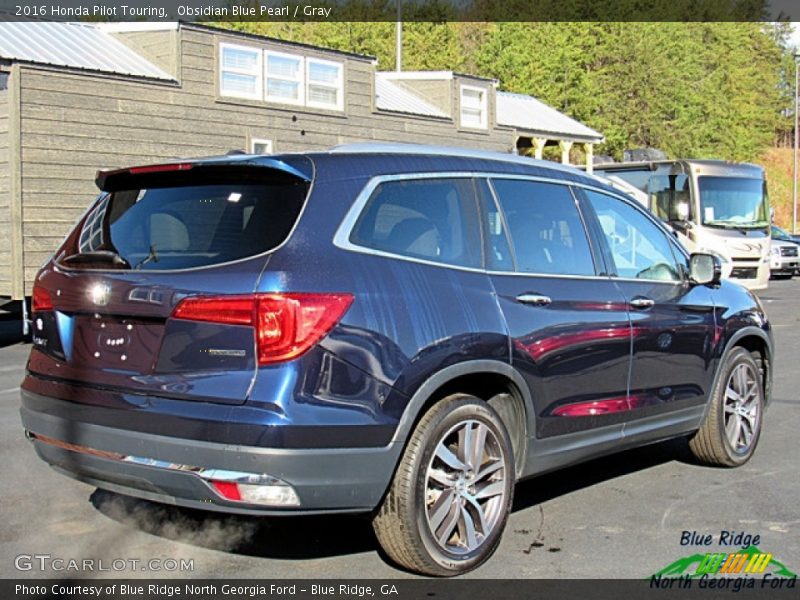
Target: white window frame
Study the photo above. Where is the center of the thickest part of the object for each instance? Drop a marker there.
(258, 72)
(264, 141)
(299, 80)
(302, 79)
(338, 86)
(484, 124)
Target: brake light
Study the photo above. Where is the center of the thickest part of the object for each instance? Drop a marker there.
(160, 168)
(227, 490)
(257, 489)
(40, 299)
(286, 325)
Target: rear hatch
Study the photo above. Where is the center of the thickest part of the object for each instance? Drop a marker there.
(104, 307)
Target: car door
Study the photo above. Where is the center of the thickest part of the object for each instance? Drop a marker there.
(568, 322)
(672, 321)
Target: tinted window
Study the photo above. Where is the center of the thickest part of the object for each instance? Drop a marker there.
(431, 219)
(640, 249)
(545, 228)
(178, 224)
(498, 250)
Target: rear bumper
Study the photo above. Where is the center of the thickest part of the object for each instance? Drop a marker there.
(166, 469)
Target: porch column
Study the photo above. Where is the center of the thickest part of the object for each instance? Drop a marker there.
(565, 148)
(589, 149)
(538, 147)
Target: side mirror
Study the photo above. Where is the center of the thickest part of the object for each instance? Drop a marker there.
(680, 227)
(679, 215)
(682, 210)
(705, 269)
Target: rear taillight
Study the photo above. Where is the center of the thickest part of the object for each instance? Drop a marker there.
(231, 310)
(287, 325)
(40, 299)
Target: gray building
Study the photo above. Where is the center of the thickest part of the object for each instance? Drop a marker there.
(75, 98)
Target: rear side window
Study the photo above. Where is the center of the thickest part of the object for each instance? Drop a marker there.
(191, 220)
(546, 230)
(430, 219)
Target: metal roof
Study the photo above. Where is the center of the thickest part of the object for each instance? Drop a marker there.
(526, 112)
(263, 38)
(389, 96)
(74, 45)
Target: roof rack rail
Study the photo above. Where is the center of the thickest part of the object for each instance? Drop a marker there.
(424, 149)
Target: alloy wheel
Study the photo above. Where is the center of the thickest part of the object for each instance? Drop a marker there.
(742, 407)
(465, 487)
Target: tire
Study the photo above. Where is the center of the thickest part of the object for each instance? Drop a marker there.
(439, 490)
(732, 427)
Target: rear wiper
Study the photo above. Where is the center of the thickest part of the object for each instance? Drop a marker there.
(94, 256)
(152, 256)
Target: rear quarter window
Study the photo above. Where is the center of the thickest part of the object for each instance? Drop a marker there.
(431, 219)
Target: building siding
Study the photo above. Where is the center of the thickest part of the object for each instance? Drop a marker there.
(73, 124)
(5, 195)
(159, 47)
(436, 91)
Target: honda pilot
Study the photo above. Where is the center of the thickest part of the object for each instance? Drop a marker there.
(399, 331)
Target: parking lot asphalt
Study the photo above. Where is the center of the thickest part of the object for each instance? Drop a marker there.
(617, 517)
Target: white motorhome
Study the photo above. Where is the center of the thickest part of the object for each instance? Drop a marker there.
(714, 206)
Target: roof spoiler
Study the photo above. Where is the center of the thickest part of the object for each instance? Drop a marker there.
(112, 179)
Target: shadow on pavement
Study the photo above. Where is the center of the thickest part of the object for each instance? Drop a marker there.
(572, 479)
(301, 537)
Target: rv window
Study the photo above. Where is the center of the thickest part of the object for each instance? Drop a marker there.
(734, 202)
(667, 192)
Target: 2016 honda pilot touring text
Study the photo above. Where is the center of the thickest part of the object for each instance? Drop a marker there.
(400, 331)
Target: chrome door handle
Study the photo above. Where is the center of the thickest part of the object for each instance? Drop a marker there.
(642, 302)
(534, 299)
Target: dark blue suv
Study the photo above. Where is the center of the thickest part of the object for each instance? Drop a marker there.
(401, 331)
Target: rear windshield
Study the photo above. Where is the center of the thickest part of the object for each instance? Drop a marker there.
(186, 220)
